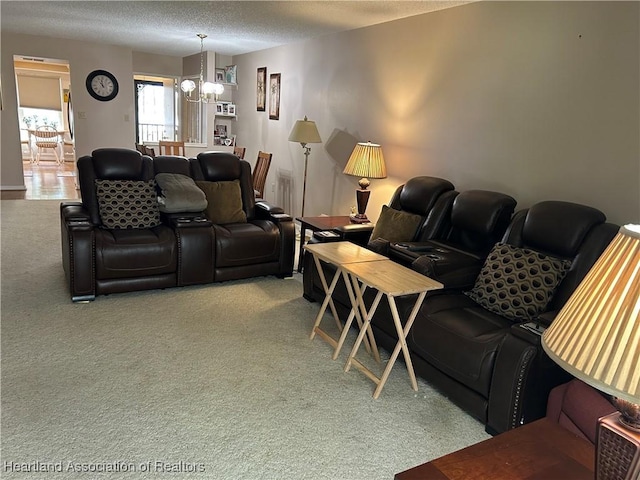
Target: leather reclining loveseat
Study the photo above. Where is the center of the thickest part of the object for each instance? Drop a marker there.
(152, 250)
(491, 364)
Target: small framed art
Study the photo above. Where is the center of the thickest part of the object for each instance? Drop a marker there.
(220, 75)
(261, 89)
(231, 109)
(230, 74)
(274, 96)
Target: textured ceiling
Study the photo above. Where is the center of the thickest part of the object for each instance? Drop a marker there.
(233, 27)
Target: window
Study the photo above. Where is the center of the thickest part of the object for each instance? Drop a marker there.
(155, 109)
(162, 113)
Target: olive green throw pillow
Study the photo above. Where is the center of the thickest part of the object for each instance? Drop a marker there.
(396, 226)
(224, 202)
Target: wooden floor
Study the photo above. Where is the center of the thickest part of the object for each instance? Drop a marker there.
(46, 181)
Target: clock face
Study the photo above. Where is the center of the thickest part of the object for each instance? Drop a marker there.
(102, 85)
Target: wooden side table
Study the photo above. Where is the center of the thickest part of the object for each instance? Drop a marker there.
(315, 224)
(541, 450)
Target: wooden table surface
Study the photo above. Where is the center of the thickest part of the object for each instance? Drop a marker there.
(341, 253)
(541, 450)
(392, 278)
(316, 224)
(324, 222)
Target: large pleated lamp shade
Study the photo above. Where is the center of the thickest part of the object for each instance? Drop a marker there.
(596, 338)
(366, 161)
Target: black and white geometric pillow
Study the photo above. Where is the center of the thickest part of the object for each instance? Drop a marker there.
(128, 203)
(517, 283)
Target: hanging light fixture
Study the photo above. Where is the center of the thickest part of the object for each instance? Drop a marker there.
(208, 91)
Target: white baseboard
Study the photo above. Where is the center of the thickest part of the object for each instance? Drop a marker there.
(12, 187)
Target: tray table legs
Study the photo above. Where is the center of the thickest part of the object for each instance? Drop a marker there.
(400, 345)
(370, 344)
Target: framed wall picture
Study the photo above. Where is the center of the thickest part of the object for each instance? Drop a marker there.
(219, 107)
(261, 89)
(274, 96)
(220, 131)
(231, 109)
(219, 75)
(230, 74)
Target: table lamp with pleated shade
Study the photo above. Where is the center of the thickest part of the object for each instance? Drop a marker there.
(596, 338)
(366, 161)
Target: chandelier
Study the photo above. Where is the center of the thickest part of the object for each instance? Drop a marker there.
(208, 91)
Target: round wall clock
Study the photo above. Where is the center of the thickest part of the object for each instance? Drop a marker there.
(102, 85)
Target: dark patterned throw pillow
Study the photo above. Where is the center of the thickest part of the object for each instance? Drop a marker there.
(517, 283)
(128, 203)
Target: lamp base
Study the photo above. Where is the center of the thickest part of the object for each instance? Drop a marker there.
(617, 450)
(362, 198)
(629, 413)
(359, 218)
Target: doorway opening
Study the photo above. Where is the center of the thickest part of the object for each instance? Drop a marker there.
(45, 116)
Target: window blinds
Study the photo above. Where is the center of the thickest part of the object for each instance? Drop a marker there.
(39, 92)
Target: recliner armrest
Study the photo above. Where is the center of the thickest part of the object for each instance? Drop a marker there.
(78, 250)
(522, 378)
(546, 318)
(74, 212)
(358, 233)
(266, 211)
(265, 206)
(355, 228)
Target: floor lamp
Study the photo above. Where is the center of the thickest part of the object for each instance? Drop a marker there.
(596, 338)
(304, 132)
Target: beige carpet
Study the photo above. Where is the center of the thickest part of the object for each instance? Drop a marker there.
(210, 382)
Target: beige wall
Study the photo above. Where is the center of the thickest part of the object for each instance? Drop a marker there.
(539, 100)
(104, 124)
(536, 99)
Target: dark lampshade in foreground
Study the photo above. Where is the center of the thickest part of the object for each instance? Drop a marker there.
(366, 161)
(596, 338)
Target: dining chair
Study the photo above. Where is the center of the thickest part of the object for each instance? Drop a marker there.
(25, 141)
(260, 171)
(171, 148)
(68, 145)
(46, 137)
(144, 150)
(239, 152)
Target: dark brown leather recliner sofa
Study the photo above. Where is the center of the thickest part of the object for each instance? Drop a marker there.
(431, 198)
(183, 248)
(490, 365)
